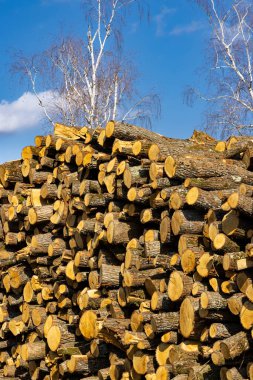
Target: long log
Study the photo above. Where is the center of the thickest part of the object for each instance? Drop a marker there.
(124, 254)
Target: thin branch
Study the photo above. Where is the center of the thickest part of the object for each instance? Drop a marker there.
(33, 82)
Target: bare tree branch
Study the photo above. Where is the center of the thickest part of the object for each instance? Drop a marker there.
(32, 76)
(92, 80)
(230, 94)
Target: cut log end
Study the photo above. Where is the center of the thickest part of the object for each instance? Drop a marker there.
(192, 196)
(170, 166)
(87, 325)
(187, 318)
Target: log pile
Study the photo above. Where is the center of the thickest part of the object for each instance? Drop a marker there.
(125, 254)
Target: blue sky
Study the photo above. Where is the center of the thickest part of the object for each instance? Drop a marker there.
(167, 50)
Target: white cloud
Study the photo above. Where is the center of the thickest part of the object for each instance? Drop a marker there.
(24, 112)
(194, 26)
(161, 20)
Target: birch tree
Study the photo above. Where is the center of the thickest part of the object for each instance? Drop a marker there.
(230, 88)
(91, 79)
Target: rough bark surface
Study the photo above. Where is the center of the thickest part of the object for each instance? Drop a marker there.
(125, 254)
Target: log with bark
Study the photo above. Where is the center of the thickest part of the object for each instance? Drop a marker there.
(125, 254)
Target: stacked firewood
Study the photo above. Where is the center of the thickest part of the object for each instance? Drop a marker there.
(125, 254)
